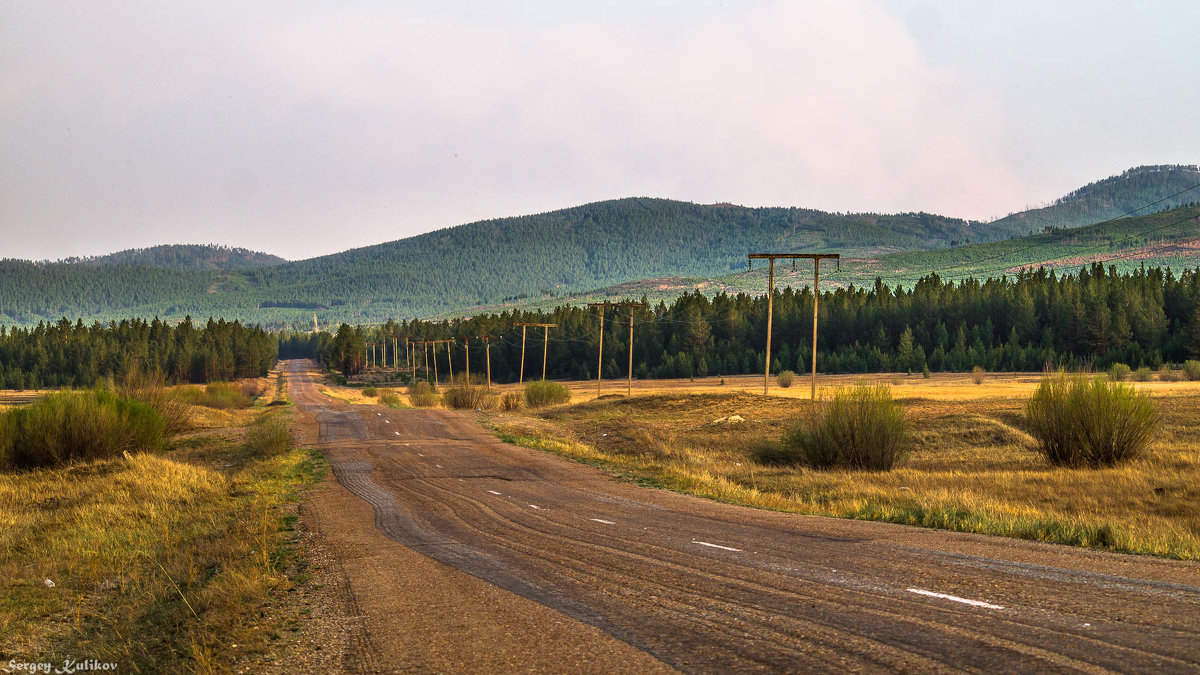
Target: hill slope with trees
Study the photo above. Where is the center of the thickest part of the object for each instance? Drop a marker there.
(525, 259)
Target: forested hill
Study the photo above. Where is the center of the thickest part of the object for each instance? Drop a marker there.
(1105, 199)
(182, 257)
(522, 259)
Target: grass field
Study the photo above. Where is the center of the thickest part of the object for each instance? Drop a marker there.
(973, 468)
(164, 562)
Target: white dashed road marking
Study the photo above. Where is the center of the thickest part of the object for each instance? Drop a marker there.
(494, 492)
(535, 507)
(601, 520)
(723, 548)
(955, 598)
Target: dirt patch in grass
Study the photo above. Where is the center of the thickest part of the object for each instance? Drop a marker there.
(973, 467)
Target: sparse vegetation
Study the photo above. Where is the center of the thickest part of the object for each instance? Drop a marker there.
(1165, 374)
(785, 378)
(217, 395)
(1142, 374)
(269, 436)
(512, 400)
(470, 395)
(544, 392)
(370, 391)
(977, 374)
(422, 395)
(389, 398)
(1191, 370)
(1118, 372)
(77, 426)
(1081, 421)
(862, 427)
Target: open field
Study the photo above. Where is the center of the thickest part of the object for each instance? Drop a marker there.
(159, 562)
(973, 468)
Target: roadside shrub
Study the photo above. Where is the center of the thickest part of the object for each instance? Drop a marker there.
(389, 398)
(977, 374)
(422, 395)
(1084, 421)
(1165, 374)
(1191, 370)
(251, 389)
(785, 378)
(1142, 374)
(862, 427)
(370, 391)
(1118, 372)
(471, 395)
(152, 390)
(217, 395)
(69, 426)
(544, 392)
(513, 400)
(269, 436)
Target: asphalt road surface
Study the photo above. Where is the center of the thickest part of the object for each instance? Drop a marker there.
(707, 587)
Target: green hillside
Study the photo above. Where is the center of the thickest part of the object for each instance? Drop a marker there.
(185, 257)
(545, 257)
(1106, 199)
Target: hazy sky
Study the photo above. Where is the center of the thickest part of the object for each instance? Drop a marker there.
(303, 128)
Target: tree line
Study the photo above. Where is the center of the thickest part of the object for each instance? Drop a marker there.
(1096, 316)
(66, 354)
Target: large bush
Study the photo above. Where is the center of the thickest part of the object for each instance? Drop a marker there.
(1191, 370)
(1119, 372)
(422, 394)
(69, 426)
(544, 392)
(470, 394)
(785, 378)
(1084, 421)
(862, 427)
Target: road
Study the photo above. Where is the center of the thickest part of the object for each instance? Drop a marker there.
(701, 586)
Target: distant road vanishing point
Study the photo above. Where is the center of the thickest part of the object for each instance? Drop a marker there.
(465, 553)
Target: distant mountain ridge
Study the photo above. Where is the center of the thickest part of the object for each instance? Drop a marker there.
(524, 258)
(185, 257)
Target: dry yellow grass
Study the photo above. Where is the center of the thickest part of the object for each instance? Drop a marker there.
(973, 467)
(159, 562)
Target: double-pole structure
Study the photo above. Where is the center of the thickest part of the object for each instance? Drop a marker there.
(545, 346)
(816, 258)
(600, 358)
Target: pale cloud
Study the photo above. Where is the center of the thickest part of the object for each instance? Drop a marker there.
(306, 129)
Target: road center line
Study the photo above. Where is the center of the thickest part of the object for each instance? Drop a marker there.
(723, 548)
(601, 520)
(955, 598)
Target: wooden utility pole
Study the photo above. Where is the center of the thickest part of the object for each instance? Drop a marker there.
(600, 366)
(816, 258)
(467, 352)
(487, 341)
(545, 345)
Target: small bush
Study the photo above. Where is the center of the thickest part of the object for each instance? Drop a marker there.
(1142, 374)
(371, 391)
(1080, 421)
(977, 374)
(1165, 374)
(544, 393)
(861, 428)
(925, 372)
(785, 378)
(69, 426)
(1191, 370)
(470, 394)
(422, 395)
(1118, 372)
(389, 398)
(513, 400)
(269, 436)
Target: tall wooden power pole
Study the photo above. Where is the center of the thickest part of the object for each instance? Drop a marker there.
(545, 346)
(816, 258)
(487, 341)
(600, 366)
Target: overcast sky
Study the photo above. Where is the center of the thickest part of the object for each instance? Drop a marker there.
(304, 128)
